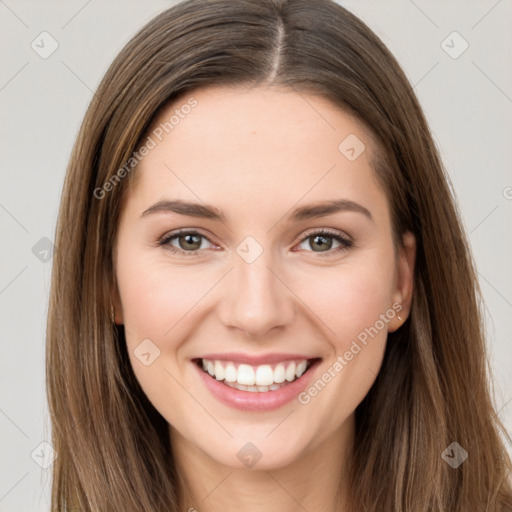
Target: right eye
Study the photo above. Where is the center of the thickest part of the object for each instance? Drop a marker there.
(189, 242)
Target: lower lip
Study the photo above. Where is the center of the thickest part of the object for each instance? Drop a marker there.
(256, 401)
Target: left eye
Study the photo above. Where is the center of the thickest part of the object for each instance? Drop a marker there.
(324, 240)
(190, 242)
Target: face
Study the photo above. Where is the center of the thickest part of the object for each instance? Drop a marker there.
(283, 298)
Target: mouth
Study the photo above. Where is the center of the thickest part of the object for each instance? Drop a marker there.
(265, 378)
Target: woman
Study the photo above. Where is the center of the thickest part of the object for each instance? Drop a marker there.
(262, 295)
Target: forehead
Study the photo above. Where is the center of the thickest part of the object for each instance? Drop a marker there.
(247, 117)
(254, 143)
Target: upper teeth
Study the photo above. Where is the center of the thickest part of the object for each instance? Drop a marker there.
(264, 375)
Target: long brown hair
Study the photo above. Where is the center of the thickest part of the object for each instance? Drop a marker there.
(113, 446)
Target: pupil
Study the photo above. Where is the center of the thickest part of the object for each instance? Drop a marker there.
(189, 240)
(323, 240)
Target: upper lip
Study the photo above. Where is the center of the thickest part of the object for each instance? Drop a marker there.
(255, 360)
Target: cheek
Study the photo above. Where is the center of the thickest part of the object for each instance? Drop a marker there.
(354, 302)
(353, 306)
(348, 298)
(157, 303)
(156, 297)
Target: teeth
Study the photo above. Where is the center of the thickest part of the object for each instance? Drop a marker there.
(230, 373)
(301, 368)
(219, 371)
(261, 378)
(279, 374)
(264, 375)
(290, 372)
(260, 389)
(245, 375)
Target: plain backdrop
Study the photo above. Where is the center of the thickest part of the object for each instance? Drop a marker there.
(466, 94)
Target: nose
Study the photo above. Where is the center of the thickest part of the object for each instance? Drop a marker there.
(256, 300)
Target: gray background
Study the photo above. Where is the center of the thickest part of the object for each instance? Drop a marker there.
(467, 100)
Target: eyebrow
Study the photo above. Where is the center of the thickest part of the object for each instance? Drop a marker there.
(205, 211)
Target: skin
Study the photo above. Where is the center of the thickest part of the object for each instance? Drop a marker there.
(256, 154)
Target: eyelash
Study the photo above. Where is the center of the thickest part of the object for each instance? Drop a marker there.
(345, 243)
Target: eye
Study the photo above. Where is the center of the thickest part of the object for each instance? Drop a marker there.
(188, 242)
(323, 241)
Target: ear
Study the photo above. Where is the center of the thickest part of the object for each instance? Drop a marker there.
(405, 280)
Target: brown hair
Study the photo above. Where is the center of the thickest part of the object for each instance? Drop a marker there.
(433, 388)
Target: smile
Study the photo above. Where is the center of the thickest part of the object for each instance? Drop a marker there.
(255, 387)
(261, 378)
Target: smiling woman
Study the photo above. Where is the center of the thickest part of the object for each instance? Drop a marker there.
(279, 282)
